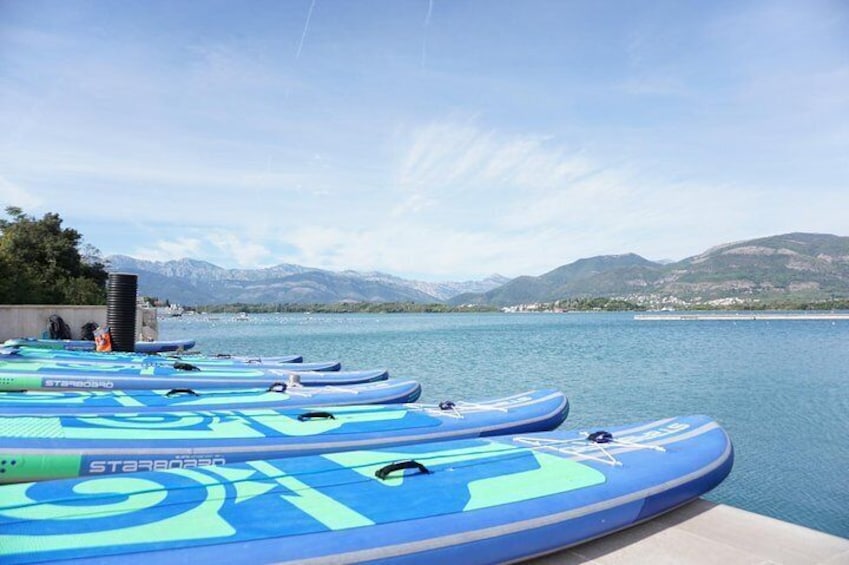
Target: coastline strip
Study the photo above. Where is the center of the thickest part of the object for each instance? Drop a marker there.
(743, 317)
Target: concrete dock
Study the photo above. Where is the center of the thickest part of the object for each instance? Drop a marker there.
(743, 316)
(705, 533)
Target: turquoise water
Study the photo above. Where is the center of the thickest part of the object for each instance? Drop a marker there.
(780, 388)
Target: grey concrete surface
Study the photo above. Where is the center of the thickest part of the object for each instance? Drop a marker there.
(704, 533)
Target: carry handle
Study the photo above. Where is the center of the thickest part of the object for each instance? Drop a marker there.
(176, 391)
(384, 472)
(277, 387)
(310, 415)
(185, 366)
(600, 436)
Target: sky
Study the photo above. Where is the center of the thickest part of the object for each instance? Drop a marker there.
(429, 139)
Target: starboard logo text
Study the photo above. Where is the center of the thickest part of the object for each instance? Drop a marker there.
(56, 383)
(132, 465)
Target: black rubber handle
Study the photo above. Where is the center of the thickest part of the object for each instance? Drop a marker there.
(223, 355)
(310, 415)
(186, 366)
(176, 391)
(447, 405)
(600, 436)
(384, 472)
(277, 387)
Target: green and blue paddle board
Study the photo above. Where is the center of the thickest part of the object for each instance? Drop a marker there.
(472, 501)
(50, 447)
(26, 374)
(77, 402)
(291, 362)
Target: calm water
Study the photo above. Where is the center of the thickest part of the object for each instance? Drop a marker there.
(780, 388)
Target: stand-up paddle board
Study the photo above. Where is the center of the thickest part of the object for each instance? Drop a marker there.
(71, 403)
(51, 447)
(120, 357)
(486, 500)
(289, 363)
(17, 374)
(85, 345)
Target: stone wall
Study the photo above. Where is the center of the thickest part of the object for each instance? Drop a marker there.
(26, 320)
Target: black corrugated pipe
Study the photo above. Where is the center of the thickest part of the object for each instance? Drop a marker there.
(121, 310)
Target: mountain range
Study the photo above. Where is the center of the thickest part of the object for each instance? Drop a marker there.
(802, 266)
(797, 266)
(193, 282)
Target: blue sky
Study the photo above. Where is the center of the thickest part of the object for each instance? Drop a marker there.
(437, 140)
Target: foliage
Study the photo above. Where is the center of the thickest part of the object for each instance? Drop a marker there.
(41, 263)
(599, 303)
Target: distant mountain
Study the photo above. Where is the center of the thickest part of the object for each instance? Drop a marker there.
(193, 282)
(606, 275)
(801, 266)
(798, 266)
(441, 290)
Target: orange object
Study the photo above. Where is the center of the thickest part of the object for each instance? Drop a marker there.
(103, 339)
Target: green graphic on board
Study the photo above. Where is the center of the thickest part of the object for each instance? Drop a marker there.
(199, 426)
(199, 522)
(17, 468)
(37, 398)
(19, 382)
(555, 475)
(212, 489)
(330, 512)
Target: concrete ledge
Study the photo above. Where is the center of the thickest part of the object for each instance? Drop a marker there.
(704, 533)
(742, 317)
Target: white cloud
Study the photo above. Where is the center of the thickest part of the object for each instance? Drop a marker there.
(13, 195)
(168, 250)
(225, 248)
(465, 158)
(528, 204)
(245, 252)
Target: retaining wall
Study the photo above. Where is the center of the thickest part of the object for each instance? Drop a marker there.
(25, 320)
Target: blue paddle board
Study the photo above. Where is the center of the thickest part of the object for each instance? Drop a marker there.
(471, 501)
(51, 447)
(292, 362)
(85, 345)
(18, 374)
(143, 401)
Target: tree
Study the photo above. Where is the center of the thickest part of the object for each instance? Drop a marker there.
(41, 263)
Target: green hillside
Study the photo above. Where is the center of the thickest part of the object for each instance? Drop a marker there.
(795, 266)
